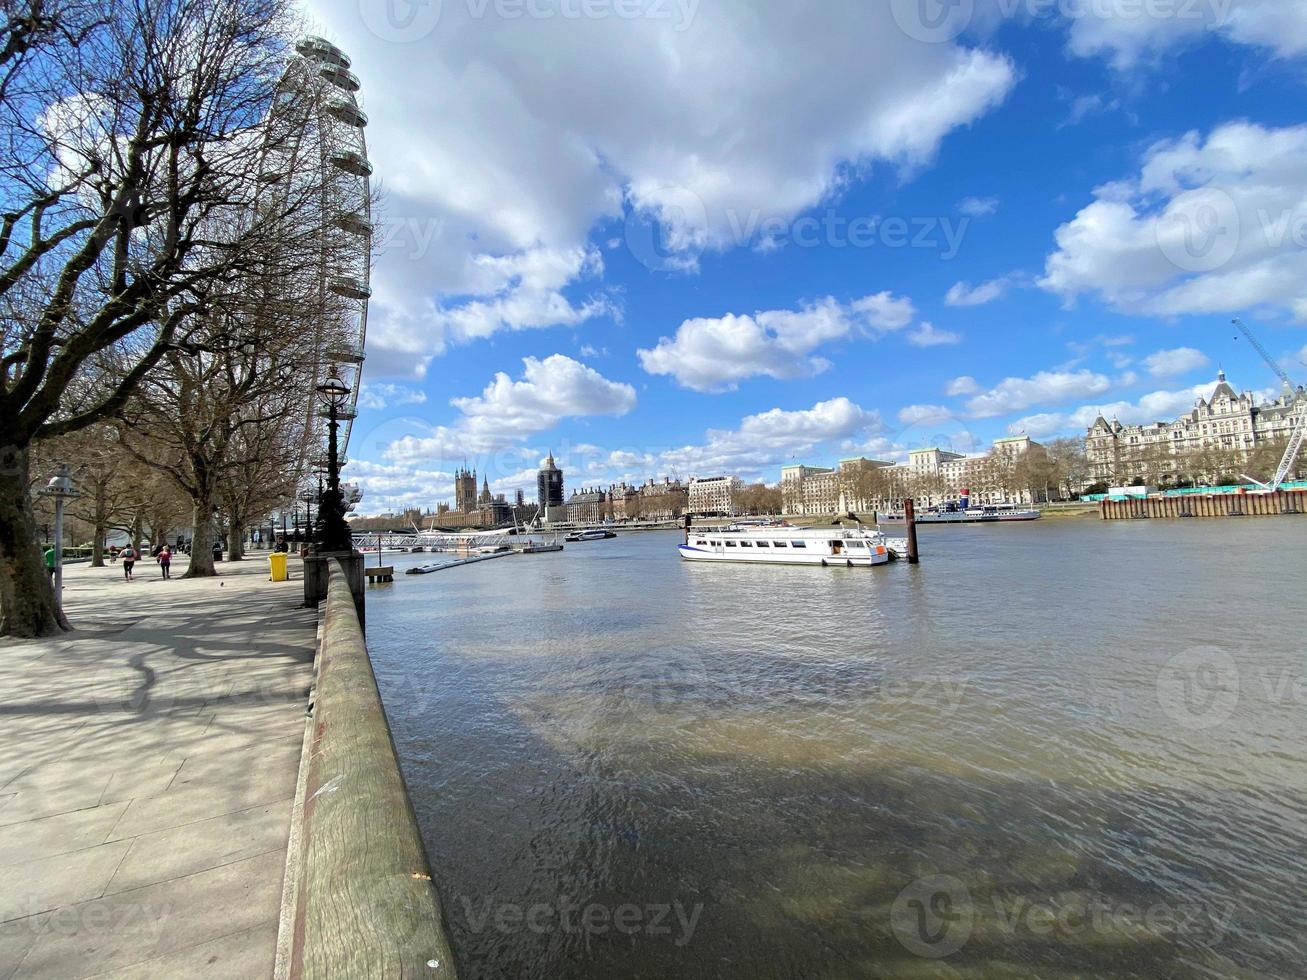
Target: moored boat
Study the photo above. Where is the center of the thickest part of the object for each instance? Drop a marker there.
(993, 513)
(786, 545)
(592, 534)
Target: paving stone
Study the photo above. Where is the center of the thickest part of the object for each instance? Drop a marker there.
(136, 926)
(32, 887)
(60, 834)
(202, 845)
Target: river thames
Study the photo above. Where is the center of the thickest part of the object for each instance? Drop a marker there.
(1070, 748)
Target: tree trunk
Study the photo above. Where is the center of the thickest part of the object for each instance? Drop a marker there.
(101, 519)
(201, 540)
(97, 546)
(27, 605)
(235, 540)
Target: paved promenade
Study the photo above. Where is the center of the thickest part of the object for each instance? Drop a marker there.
(147, 767)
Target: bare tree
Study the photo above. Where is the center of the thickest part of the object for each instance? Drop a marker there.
(262, 473)
(131, 132)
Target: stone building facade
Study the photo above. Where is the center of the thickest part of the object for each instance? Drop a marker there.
(1228, 420)
(713, 496)
(930, 476)
(587, 506)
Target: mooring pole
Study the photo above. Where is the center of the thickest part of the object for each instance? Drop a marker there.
(910, 520)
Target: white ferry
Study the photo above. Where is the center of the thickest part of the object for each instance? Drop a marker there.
(952, 514)
(785, 545)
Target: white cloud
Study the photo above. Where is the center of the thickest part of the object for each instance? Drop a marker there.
(378, 396)
(925, 414)
(508, 411)
(1125, 31)
(1206, 227)
(928, 335)
(978, 207)
(964, 294)
(543, 136)
(884, 311)
(550, 390)
(965, 385)
(1181, 360)
(1156, 406)
(716, 353)
(754, 450)
(1044, 388)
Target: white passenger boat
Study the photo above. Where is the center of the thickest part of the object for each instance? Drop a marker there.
(780, 544)
(950, 514)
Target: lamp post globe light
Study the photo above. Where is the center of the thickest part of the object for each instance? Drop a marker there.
(333, 531)
(60, 488)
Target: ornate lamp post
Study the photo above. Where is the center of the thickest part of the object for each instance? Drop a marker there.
(60, 488)
(333, 531)
(308, 497)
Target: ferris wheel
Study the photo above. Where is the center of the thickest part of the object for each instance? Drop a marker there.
(317, 100)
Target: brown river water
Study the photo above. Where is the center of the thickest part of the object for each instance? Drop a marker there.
(1064, 749)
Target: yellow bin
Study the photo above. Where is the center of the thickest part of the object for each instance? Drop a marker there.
(277, 567)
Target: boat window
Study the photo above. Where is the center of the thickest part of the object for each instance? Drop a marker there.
(762, 544)
(779, 544)
(798, 544)
(717, 544)
(746, 544)
(701, 542)
(730, 544)
(856, 544)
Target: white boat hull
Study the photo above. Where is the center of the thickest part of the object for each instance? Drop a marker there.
(787, 546)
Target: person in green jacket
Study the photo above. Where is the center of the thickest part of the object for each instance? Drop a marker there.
(49, 562)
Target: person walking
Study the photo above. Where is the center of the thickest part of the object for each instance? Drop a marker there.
(129, 555)
(49, 562)
(165, 561)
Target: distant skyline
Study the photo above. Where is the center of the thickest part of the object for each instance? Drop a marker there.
(688, 238)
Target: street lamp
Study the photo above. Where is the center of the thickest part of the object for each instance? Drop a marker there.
(60, 488)
(334, 532)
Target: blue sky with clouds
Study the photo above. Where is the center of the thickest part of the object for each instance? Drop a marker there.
(680, 237)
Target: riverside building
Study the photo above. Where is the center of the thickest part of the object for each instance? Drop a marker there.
(714, 496)
(1229, 422)
(931, 476)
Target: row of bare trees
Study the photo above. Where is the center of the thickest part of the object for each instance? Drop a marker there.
(160, 283)
(1161, 465)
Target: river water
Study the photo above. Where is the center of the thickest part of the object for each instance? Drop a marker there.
(1065, 749)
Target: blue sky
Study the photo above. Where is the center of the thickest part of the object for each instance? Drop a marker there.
(683, 238)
